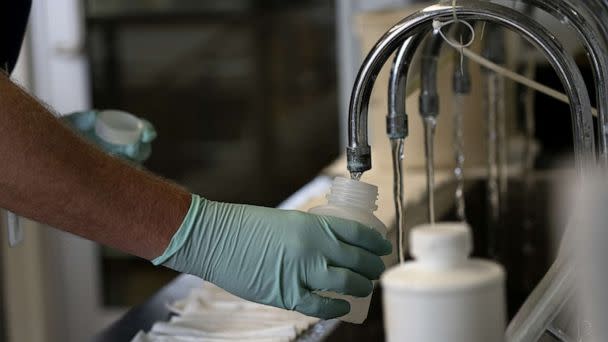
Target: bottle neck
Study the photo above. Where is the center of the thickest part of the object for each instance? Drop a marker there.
(351, 193)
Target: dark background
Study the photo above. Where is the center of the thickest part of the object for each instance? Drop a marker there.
(242, 93)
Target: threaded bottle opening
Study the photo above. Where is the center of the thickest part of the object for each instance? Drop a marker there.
(351, 193)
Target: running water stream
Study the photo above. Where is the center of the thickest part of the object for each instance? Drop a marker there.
(397, 153)
(458, 142)
(530, 131)
(528, 247)
(502, 148)
(492, 161)
(429, 147)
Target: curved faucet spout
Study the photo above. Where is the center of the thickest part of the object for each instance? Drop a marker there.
(397, 84)
(588, 18)
(396, 121)
(429, 96)
(359, 151)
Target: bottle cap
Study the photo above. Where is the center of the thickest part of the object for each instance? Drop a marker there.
(118, 127)
(443, 243)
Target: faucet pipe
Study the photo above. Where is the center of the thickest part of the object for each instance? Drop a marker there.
(396, 121)
(588, 20)
(359, 151)
(397, 126)
(429, 96)
(397, 117)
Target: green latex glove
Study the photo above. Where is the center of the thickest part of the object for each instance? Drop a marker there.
(277, 257)
(84, 124)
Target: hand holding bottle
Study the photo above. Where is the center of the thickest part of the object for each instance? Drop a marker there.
(277, 257)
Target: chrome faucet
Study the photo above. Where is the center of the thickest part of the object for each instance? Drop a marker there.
(359, 151)
(429, 98)
(588, 18)
(397, 120)
(407, 35)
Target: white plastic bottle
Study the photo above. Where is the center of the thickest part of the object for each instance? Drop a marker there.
(353, 200)
(444, 295)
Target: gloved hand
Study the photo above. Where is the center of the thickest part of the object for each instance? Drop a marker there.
(277, 257)
(84, 124)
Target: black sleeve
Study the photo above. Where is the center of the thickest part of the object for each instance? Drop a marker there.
(13, 16)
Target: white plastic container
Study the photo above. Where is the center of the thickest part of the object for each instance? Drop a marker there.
(353, 200)
(444, 295)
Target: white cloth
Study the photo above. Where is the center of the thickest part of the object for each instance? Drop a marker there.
(210, 314)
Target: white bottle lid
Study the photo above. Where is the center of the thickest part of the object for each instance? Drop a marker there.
(442, 262)
(441, 244)
(118, 127)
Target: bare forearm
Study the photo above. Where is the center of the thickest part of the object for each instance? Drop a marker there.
(49, 174)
